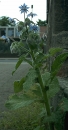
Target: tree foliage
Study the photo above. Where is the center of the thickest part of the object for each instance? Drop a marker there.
(4, 21)
(41, 23)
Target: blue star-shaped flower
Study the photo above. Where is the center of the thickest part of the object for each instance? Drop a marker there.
(24, 8)
(11, 20)
(31, 14)
(34, 28)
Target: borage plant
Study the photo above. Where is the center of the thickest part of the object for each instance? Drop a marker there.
(40, 82)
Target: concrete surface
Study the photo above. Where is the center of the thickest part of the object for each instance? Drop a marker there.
(6, 78)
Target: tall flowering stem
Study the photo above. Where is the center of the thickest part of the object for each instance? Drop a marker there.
(24, 9)
(24, 17)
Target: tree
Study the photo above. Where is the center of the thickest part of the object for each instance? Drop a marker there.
(60, 16)
(57, 35)
(42, 23)
(4, 21)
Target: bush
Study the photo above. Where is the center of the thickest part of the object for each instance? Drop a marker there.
(21, 119)
(5, 50)
(4, 46)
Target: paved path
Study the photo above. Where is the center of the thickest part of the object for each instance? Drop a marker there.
(6, 78)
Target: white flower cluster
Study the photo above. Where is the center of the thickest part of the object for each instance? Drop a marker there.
(15, 47)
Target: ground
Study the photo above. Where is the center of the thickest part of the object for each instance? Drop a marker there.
(6, 78)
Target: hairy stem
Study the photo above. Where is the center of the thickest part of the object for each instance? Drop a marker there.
(44, 93)
(46, 102)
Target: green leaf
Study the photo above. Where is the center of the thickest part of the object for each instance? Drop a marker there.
(18, 85)
(21, 59)
(28, 61)
(39, 57)
(39, 128)
(54, 87)
(58, 61)
(46, 78)
(51, 118)
(46, 56)
(42, 113)
(30, 79)
(16, 102)
(64, 104)
(56, 65)
(37, 90)
(53, 51)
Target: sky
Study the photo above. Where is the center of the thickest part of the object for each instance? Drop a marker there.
(11, 9)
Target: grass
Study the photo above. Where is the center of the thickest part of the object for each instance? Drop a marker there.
(21, 119)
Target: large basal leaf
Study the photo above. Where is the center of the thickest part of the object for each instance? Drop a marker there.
(18, 85)
(30, 79)
(16, 102)
(54, 87)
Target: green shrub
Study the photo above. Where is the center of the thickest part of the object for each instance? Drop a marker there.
(21, 119)
(4, 46)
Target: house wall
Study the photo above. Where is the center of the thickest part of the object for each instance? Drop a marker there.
(43, 29)
(9, 31)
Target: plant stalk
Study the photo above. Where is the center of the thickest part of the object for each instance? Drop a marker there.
(46, 102)
(44, 93)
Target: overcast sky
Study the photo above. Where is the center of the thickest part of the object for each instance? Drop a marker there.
(11, 9)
